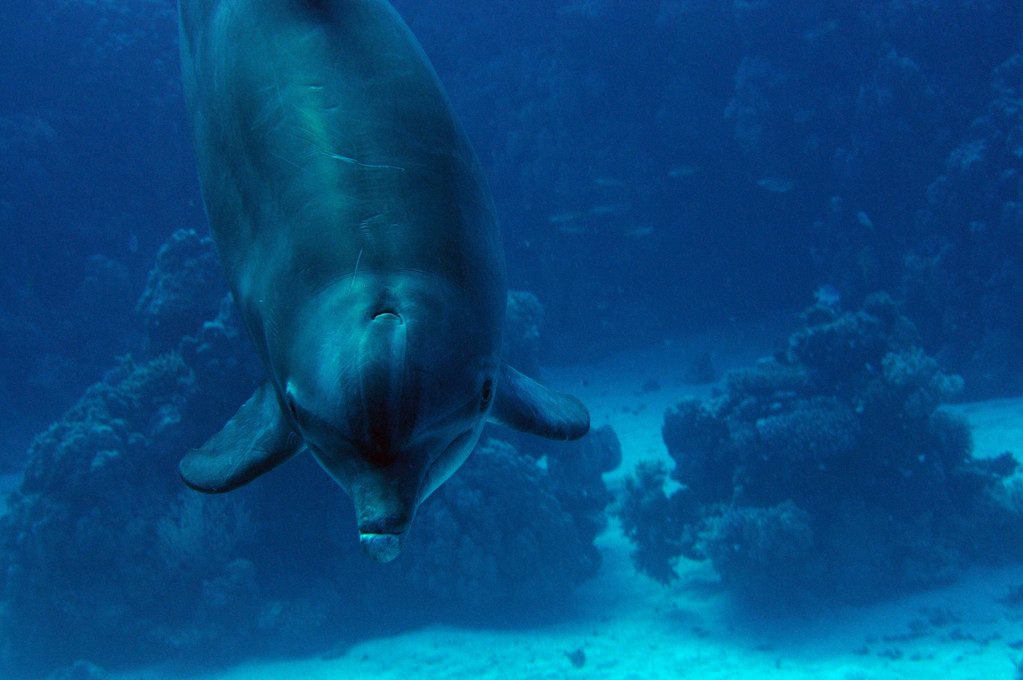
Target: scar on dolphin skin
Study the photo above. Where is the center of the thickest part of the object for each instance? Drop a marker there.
(387, 384)
(349, 159)
(355, 274)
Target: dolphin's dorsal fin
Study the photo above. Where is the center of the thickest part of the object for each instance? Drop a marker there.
(527, 406)
(256, 440)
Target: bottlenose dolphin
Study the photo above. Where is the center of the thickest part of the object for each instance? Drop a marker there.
(359, 241)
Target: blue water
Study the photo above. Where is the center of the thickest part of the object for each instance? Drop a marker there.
(660, 171)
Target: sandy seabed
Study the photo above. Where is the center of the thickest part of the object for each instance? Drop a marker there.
(624, 625)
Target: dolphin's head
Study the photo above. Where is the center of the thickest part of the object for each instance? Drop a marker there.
(389, 384)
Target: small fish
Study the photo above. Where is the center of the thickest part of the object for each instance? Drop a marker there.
(639, 231)
(820, 31)
(864, 220)
(683, 171)
(776, 185)
(610, 209)
(570, 216)
(609, 182)
(572, 229)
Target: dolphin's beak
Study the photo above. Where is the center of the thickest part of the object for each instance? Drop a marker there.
(384, 509)
(381, 547)
(385, 502)
(383, 520)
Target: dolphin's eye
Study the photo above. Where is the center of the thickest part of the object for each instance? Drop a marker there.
(487, 393)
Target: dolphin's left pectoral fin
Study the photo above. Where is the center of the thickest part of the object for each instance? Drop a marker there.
(256, 440)
(523, 404)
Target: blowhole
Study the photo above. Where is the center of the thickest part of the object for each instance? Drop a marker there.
(387, 316)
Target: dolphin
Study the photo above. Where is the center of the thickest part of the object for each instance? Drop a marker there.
(360, 244)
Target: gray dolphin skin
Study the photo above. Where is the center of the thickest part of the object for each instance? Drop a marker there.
(359, 241)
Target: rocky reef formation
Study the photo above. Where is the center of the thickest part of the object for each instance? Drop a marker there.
(107, 556)
(827, 470)
(963, 283)
(523, 320)
(185, 284)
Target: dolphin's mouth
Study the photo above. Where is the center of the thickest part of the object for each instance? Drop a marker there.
(442, 467)
(381, 537)
(381, 547)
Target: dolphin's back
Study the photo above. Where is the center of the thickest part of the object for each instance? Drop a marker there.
(326, 146)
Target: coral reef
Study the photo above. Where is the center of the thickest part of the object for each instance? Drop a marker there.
(964, 282)
(523, 320)
(759, 551)
(92, 183)
(574, 470)
(184, 287)
(826, 470)
(106, 556)
(497, 534)
(659, 543)
(893, 128)
(81, 564)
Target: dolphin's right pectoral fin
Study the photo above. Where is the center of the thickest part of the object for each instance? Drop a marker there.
(525, 405)
(256, 440)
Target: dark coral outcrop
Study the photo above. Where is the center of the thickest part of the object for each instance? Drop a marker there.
(826, 470)
(523, 320)
(184, 287)
(963, 283)
(82, 565)
(497, 535)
